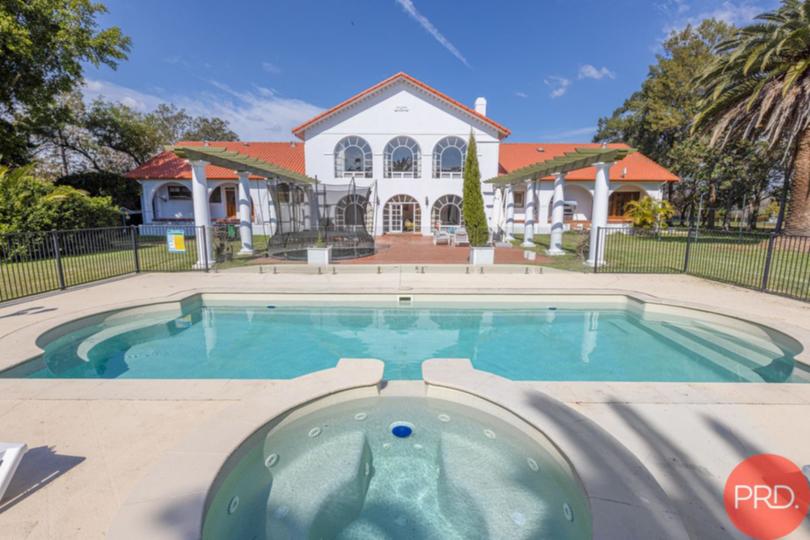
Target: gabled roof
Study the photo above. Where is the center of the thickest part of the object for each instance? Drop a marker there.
(636, 167)
(299, 131)
(167, 166)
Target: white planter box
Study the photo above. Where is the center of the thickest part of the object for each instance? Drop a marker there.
(482, 256)
(319, 256)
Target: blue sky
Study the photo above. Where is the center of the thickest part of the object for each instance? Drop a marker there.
(548, 68)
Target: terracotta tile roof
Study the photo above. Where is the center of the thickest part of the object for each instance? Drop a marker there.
(639, 167)
(167, 166)
(299, 131)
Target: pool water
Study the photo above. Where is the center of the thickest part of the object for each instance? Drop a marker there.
(521, 343)
(339, 472)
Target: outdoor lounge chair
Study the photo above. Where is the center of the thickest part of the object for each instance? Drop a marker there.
(441, 237)
(10, 456)
(460, 238)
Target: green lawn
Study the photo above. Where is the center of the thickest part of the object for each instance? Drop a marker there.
(570, 261)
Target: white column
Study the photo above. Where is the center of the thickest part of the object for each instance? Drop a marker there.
(599, 212)
(557, 216)
(510, 212)
(528, 225)
(202, 213)
(427, 225)
(245, 227)
(272, 216)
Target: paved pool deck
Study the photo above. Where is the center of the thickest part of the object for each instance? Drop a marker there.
(92, 441)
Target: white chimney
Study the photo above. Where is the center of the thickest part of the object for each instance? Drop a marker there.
(481, 106)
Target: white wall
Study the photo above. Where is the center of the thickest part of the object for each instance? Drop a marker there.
(402, 109)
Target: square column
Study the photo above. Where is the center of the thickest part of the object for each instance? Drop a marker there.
(528, 226)
(202, 214)
(557, 216)
(245, 227)
(510, 213)
(599, 213)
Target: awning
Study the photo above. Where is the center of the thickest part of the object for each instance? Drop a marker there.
(580, 158)
(239, 162)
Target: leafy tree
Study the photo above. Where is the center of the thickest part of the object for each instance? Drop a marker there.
(122, 191)
(759, 88)
(44, 45)
(659, 115)
(28, 203)
(209, 129)
(648, 213)
(475, 220)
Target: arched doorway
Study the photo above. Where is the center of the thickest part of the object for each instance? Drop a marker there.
(402, 213)
(618, 200)
(350, 212)
(446, 212)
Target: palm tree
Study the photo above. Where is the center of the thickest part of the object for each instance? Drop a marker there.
(758, 88)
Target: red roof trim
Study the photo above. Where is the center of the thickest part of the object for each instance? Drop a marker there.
(502, 130)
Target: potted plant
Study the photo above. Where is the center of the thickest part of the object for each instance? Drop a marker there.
(319, 254)
(475, 220)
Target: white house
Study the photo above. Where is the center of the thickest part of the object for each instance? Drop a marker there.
(406, 142)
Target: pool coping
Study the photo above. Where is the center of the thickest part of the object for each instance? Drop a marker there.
(35, 336)
(625, 500)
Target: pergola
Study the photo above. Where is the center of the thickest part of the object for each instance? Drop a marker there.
(244, 166)
(602, 158)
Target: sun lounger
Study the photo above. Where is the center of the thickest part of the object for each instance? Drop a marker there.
(10, 456)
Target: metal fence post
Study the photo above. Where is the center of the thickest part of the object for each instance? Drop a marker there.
(596, 257)
(60, 272)
(766, 271)
(205, 246)
(688, 251)
(133, 231)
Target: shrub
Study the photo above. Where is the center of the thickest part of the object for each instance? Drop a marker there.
(649, 213)
(475, 220)
(28, 203)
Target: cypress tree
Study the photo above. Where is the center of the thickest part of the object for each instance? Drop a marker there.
(475, 220)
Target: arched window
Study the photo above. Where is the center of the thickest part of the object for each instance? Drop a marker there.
(402, 158)
(448, 158)
(446, 212)
(402, 213)
(350, 211)
(353, 158)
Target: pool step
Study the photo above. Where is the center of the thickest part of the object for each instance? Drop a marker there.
(322, 490)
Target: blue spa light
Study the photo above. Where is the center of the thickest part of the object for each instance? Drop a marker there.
(401, 430)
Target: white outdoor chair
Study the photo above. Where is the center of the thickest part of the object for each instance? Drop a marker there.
(460, 237)
(10, 456)
(441, 237)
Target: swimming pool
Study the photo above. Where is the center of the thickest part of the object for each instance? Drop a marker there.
(346, 472)
(554, 338)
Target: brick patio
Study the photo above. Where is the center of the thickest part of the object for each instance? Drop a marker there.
(417, 249)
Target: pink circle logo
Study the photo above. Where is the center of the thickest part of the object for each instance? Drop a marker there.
(766, 496)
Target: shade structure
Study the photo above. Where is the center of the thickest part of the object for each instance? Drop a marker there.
(237, 161)
(570, 161)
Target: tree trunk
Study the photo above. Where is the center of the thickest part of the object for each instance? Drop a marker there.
(798, 213)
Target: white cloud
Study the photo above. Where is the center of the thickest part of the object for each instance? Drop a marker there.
(259, 115)
(590, 72)
(140, 101)
(559, 85)
(270, 67)
(521, 94)
(736, 12)
(410, 9)
(578, 134)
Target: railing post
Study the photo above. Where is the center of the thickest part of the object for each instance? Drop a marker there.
(688, 251)
(133, 230)
(766, 272)
(60, 272)
(205, 246)
(596, 257)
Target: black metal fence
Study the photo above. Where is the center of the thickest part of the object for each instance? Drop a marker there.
(37, 262)
(778, 264)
